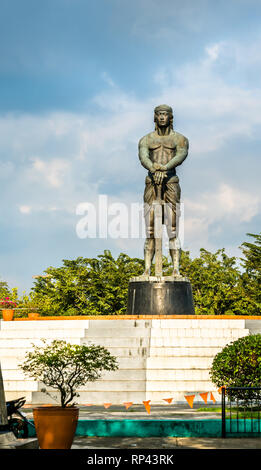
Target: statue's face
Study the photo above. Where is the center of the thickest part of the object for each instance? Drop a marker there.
(162, 118)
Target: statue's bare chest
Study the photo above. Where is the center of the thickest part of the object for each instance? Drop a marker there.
(162, 148)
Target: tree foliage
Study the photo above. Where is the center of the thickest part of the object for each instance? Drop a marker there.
(216, 283)
(90, 286)
(251, 277)
(66, 367)
(4, 290)
(99, 286)
(238, 364)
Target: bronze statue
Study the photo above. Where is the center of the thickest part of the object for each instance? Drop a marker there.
(160, 152)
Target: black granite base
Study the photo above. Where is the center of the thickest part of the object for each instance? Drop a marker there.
(160, 298)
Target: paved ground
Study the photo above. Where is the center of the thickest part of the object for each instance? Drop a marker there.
(181, 412)
(139, 412)
(164, 443)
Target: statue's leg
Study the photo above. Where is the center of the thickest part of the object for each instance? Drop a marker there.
(172, 200)
(149, 246)
(149, 251)
(174, 250)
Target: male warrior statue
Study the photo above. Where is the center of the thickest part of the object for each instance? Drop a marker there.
(160, 152)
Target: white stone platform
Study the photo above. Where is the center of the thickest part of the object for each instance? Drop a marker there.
(158, 358)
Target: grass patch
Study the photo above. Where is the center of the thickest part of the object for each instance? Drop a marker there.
(235, 412)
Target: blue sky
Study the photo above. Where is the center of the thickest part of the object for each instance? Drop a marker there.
(79, 81)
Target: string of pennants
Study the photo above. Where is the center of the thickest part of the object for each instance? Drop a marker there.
(147, 403)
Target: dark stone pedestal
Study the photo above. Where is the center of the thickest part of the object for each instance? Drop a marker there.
(160, 298)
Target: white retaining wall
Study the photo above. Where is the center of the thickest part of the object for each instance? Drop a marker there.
(157, 358)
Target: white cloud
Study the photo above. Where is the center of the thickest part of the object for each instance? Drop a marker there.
(70, 157)
(213, 51)
(221, 208)
(25, 209)
(53, 171)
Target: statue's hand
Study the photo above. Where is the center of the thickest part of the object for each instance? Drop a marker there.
(159, 176)
(159, 166)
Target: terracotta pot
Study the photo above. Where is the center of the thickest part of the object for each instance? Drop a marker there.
(55, 426)
(33, 315)
(8, 314)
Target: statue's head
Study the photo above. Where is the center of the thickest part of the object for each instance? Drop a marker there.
(163, 116)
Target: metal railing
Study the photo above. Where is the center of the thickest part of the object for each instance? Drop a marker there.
(241, 411)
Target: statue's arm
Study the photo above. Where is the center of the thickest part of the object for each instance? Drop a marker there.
(144, 155)
(181, 153)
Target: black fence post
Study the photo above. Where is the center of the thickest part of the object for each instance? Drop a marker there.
(223, 390)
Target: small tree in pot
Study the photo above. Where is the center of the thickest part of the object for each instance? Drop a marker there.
(64, 367)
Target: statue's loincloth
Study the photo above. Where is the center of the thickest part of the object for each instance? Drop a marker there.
(171, 196)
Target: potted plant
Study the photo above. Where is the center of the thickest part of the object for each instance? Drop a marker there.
(64, 367)
(7, 307)
(33, 315)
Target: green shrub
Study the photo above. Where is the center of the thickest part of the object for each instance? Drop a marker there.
(238, 364)
(66, 367)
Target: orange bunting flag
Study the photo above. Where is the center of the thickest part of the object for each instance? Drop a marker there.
(147, 406)
(127, 404)
(168, 400)
(212, 397)
(220, 388)
(107, 405)
(204, 396)
(190, 399)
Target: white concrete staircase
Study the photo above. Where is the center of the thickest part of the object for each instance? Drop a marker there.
(17, 337)
(157, 358)
(181, 355)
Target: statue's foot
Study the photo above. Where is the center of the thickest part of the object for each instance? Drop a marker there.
(175, 273)
(146, 272)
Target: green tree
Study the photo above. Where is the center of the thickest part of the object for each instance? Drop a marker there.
(66, 367)
(99, 286)
(251, 277)
(238, 364)
(216, 283)
(87, 286)
(4, 290)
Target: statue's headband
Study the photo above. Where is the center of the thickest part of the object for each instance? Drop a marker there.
(163, 107)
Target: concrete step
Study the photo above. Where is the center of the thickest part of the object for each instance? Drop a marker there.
(191, 342)
(14, 352)
(120, 332)
(128, 362)
(128, 375)
(184, 351)
(44, 324)
(198, 332)
(42, 333)
(28, 342)
(119, 374)
(162, 352)
(101, 324)
(167, 341)
(110, 386)
(13, 374)
(179, 386)
(177, 374)
(27, 385)
(14, 394)
(179, 362)
(118, 352)
(115, 341)
(199, 323)
(124, 351)
(96, 397)
(139, 386)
